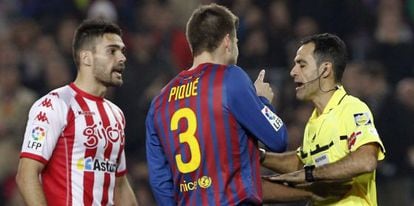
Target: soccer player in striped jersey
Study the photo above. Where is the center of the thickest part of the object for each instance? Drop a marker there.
(73, 148)
(203, 128)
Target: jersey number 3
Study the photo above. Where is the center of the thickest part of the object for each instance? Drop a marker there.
(188, 137)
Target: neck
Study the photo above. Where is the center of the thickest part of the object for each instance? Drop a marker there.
(322, 98)
(89, 85)
(207, 57)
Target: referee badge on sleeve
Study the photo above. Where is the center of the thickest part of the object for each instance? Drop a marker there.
(362, 119)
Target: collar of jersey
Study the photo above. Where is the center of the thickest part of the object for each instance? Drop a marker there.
(196, 70)
(85, 94)
(333, 102)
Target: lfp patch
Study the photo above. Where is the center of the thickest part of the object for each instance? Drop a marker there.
(38, 133)
(273, 119)
(362, 119)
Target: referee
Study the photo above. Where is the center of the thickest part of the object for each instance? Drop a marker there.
(340, 142)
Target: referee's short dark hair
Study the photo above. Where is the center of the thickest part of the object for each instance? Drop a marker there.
(329, 47)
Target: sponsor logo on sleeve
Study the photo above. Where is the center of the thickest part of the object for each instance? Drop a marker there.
(42, 117)
(38, 137)
(47, 103)
(352, 139)
(362, 119)
(273, 119)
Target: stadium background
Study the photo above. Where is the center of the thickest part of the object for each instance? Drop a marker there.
(35, 57)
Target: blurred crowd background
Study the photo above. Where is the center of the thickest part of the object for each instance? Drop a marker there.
(35, 57)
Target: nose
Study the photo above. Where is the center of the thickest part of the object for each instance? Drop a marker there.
(122, 57)
(293, 71)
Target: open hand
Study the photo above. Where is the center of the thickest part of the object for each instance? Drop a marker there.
(293, 178)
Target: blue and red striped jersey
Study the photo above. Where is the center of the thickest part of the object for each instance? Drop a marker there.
(202, 138)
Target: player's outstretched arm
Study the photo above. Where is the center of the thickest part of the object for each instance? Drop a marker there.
(28, 182)
(281, 162)
(274, 193)
(124, 194)
(363, 160)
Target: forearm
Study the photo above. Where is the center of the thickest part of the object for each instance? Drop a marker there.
(361, 161)
(274, 192)
(282, 162)
(124, 194)
(31, 190)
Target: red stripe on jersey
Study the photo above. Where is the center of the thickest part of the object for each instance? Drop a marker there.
(121, 147)
(174, 141)
(209, 147)
(221, 133)
(56, 177)
(183, 126)
(193, 105)
(160, 113)
(235, 143)
(108, 150)
(88, 177)
(254, 158)
(69, 133)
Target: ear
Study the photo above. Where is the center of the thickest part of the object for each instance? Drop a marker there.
(227, 42)
(85, 57)
(327, 69)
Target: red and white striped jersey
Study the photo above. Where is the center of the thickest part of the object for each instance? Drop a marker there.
(80, 139)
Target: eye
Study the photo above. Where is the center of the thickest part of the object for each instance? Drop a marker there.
(111, 51)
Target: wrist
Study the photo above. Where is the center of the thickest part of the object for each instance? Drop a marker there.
(309, 173)
(262, 154)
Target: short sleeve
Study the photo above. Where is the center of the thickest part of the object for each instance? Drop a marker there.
(361, 128)
(121, 165)
(46, 121)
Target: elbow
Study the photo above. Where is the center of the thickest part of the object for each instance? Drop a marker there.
(282, 146)
(370, 165)
(19, 180)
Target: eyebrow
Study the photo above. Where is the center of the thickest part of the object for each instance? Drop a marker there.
(117, 46)
(300, 61)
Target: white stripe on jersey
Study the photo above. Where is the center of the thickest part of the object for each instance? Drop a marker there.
(46, 142)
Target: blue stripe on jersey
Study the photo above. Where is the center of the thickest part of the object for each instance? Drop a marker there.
(214, 134)
(226, 120)
(245, 161)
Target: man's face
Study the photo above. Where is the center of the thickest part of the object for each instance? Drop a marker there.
(305, 73)
(109, 60)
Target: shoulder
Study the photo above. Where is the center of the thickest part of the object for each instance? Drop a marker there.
(354, 104)
(112, 105)
(236, 75)
(57, 98)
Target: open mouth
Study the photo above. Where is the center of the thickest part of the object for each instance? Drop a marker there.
(299, 85)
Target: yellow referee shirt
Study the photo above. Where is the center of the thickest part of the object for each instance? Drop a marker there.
(345, 124)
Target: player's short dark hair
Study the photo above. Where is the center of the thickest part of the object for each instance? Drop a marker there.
(329, 47)
(88, 32)
(208, 25)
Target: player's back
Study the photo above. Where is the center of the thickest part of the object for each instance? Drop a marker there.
(213, 160)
